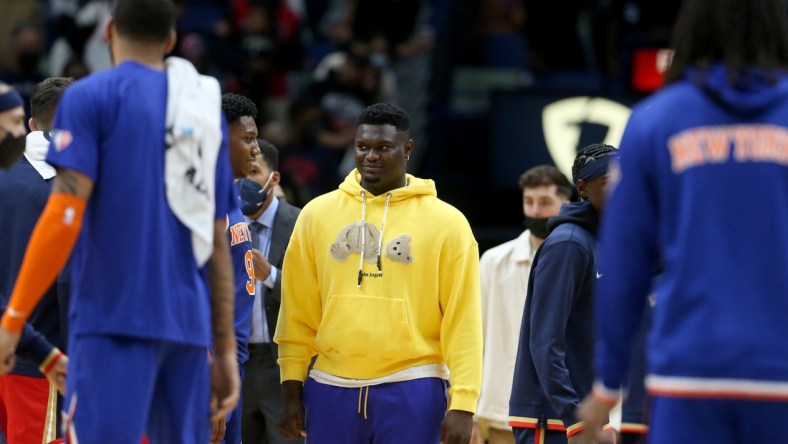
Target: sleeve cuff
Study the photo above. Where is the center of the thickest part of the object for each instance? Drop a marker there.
(270, 281)
(49, 362)
(575, 428)
(463, 400)
(634, 428)
(605, 395)
(292, 371)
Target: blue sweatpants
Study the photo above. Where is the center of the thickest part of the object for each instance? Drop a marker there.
(395, 413)
(718, 421)
(119, 388)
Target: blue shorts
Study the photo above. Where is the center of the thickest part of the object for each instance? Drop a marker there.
(121, 387)
(395, 413)
(718, 421)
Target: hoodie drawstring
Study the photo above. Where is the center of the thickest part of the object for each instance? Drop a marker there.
(366, 400)
(363, 234)
(382, 227)
(363, 238)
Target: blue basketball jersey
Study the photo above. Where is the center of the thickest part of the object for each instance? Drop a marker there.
(243, 264)
(133, 269)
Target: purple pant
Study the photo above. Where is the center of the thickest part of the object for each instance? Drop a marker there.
(399, 412)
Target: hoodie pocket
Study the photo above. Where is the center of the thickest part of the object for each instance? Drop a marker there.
(370, 326)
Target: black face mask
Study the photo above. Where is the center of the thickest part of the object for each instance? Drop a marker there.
(29, 61)
(538, 227)
(11, 147)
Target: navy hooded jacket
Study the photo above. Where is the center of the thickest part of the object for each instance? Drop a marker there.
(23, 195)
(553, 371)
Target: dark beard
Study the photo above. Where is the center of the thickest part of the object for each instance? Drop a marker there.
(11, 147)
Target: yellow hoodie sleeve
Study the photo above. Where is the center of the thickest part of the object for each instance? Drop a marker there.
(301, 307)
(461, 328)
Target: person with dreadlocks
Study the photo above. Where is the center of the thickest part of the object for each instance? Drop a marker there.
(553, 367)
(699, 189)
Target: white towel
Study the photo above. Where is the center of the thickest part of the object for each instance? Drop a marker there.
(194, 136)
(36, 148)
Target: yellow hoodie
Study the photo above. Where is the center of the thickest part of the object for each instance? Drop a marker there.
(422, 306)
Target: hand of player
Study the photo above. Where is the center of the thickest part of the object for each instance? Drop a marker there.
(595, 414)
(477, 436)
(262, 268)
(8, 343)
(291, 420)
(225, 385)
(218, 428)
(457, 427)
(57, 374)
(600, 437)
(580, 438)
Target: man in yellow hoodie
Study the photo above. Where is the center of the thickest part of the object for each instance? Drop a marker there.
(381, 283)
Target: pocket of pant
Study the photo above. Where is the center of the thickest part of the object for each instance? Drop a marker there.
(371, 326)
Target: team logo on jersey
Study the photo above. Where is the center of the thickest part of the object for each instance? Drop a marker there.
(239, 233)
(62, 139)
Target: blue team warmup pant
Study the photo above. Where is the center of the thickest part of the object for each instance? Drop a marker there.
(394, 413)
(718, 421)
(232, 435)
(121, 387)
(539, 435)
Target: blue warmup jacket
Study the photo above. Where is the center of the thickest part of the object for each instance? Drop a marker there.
(704, 187)
(23, 195)
(635, 408)
(553, 371)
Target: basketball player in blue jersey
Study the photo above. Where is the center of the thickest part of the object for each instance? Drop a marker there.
(703, 194)
(143, 190)
(241, 113)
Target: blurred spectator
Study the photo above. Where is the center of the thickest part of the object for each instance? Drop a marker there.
(345, 83)
(334, 32)
(14, 12)
(77, 30)
(502, 33)
(75, 69)
(302, 159)
(402, 31)
(27, 53)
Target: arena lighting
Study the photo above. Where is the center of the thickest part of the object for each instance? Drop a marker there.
(649, 66)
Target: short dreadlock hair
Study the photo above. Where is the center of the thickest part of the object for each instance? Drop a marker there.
(591, 153)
